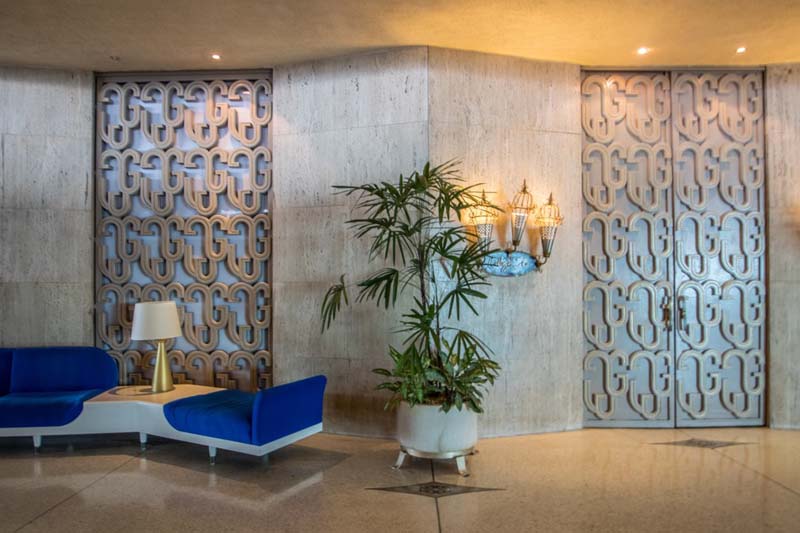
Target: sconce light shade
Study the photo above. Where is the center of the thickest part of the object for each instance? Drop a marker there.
(548, 220)
(483, 216)
(521, 207)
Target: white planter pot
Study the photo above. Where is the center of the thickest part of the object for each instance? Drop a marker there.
(427, 431)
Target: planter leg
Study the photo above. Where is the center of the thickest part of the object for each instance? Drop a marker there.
(401, 458)
(461, 463)
(212, 455)
(37, 443)
(142, 441)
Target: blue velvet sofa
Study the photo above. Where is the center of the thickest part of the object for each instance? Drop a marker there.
(47, 386)
(251, 418)
(44, 391)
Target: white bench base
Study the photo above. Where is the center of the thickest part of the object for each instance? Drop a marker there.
(132, 415)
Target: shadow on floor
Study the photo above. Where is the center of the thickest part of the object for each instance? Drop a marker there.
(305, 462)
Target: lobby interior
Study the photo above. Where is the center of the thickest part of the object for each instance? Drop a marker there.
(565, 234)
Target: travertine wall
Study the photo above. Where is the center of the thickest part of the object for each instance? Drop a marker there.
(511, 120)
(46, 198)
(371, 117)
(355, 120)
(340, 121)
(783, 193)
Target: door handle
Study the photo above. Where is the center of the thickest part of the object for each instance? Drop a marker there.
(681, 312)
(666, 307)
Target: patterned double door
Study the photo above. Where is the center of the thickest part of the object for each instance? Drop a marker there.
(673, 248)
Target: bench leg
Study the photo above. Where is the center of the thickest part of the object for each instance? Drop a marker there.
(265, 459)
(37, 443)
(143, 441)
(212, 455)
(401, 458)
(461, 463)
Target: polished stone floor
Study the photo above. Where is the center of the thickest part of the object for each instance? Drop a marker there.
(591, 480)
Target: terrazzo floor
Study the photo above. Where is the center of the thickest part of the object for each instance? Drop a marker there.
(590, 480)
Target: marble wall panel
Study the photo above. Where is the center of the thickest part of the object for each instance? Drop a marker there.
(44, 245)
(377, 88)
(46, 172)
(46, 314)
(311, 163)
(501, 91)
(783, 202)
(47, 102)
(784, 376)
(510, 120)
(46, 222)
(360, 332)
(340, 121)
(364, 118)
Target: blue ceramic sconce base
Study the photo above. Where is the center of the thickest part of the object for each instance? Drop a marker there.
(509, 264)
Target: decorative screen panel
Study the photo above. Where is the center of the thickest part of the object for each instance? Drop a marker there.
(720, 240)
(183, 173)
(627, 248)
(674, 242)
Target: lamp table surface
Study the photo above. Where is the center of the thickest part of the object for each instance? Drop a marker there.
(142, 393)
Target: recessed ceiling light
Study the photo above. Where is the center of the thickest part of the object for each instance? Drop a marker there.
(741, 50)
(643, 50)
(216, 57)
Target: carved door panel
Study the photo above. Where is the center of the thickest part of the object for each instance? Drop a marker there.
(673, 249)
(627, 249)
(718, 139)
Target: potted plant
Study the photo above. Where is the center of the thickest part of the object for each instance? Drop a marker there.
(441, 370)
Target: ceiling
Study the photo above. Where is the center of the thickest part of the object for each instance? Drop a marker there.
(125, 35)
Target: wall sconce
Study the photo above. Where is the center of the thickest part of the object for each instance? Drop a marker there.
(515, 263)
(548, 220)
(484, 215)
(521, 207)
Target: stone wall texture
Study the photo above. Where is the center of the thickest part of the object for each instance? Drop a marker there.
(46, 199)
(355, 120)
(374, 116)
(340, 121)
(783, 227)
(510, 120)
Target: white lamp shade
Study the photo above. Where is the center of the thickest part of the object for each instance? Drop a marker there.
(155, 321)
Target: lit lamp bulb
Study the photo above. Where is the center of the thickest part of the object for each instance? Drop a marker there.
(483, 216)
(548, 220)
(521, 207)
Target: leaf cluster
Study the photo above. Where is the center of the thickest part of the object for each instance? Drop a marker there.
(416, 228)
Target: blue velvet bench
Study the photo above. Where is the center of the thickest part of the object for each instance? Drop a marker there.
(254, 423)
(47, 387)
(71, 391)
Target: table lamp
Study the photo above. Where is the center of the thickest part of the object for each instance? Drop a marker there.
(157, 321)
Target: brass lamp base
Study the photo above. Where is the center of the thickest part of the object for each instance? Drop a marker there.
(162, 374)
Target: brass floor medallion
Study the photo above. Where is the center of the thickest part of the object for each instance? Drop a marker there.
(701, 443)
(434, 489)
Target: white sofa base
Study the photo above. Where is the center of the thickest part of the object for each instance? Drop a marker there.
(146, 418)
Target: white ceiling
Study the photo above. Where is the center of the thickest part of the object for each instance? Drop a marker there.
(117, 35)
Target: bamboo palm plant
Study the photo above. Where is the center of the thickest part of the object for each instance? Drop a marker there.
(415, 227)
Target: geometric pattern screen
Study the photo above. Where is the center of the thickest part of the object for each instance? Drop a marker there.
(182, 180)
(673, 249)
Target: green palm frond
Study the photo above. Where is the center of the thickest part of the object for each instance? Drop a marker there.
(332, 303)
(381, 287)
(415, 226)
